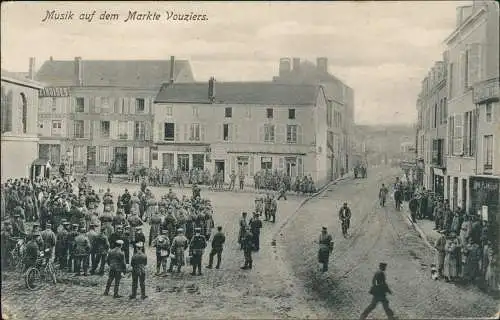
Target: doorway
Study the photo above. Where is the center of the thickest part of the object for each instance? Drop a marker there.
(243, 166)
(291, 166)
(120, 164)
(219, 167)
(167, 161)
(91, 155)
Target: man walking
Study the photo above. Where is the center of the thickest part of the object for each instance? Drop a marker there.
(247, 244)
(379, 290)
(138, 263)
(196, 247)
(382, 195)
(217, 246)
(255, 226)
(116, 262)
(325, 248)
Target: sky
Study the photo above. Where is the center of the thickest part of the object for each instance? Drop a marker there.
(383, 50)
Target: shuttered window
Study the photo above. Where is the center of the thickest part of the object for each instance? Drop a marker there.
(458, 135)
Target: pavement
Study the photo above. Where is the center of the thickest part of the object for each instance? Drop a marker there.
(263, 292)
(377, 234)
(424, 227)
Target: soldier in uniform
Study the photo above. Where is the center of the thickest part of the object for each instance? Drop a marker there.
(282, 191)
(162, 244)
(255, 226)
(100, 247)
(179, 245)
(243, 227)
(81, 252)
(325, 248)
(139, 237)
(247, 244)
(217, 247)
(382, 195)
(49, 240)
(71, 245)
(92, 235)
(273, 209)
(138, 263)
(196, 248)
(232, 177)
(379, 290)
(119, 234)
(116, 262)
(242, 179)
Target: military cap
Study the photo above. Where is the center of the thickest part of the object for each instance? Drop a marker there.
(47, 225)
(36, 224)
(36, 234)
(139, 245)
(382, 264)
(74, 225)
(82, 229)
(63, 220)
(197, 229)
(164, 231)
(180, 230)
(65, 223)
(324, 228)
(138, 228)
(120, 242)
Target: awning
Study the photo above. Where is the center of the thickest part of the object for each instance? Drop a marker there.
(41, 162)
(438, 172)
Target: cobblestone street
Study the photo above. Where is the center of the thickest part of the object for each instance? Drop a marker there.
(376, 235)
(226, 293)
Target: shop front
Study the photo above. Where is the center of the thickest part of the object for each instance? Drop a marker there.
(438, 181)
(485, 201)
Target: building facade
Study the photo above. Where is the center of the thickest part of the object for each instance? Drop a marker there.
(98, 114)
(432, 128)
(245, 127)
(338, 94)
(19, 143)
(471, 165)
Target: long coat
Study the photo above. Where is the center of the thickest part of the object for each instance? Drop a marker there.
(325, 247)
(451, 259)
(179, 246)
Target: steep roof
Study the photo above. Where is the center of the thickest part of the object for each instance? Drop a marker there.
(116, 73)
(240, 93)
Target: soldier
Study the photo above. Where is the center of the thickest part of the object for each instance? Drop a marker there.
(217, 246)
(267, 207)
(154, 230)
(116, 262)
(81, 252)
(119, 234)
(119, 218)
(179, 245)
(232, 176)
(100, 247)
(18, 229)
(126, 202)
(273, 209)
(243, 226)
(379, 290)
(71, 247)
(138, 263)
(7, 244)
(255, 226)
(92, 235)
(61, 250)
(247, 244)
(196, 191)
(49, 240)
(162, 244)
(325, 248)
(139, 237)
(110, 174)
(242, 179)
(196, 248)
(382, 195)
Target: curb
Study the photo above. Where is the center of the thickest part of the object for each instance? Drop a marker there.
(415, 226)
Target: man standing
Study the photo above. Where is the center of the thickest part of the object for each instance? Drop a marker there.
(382, 195)
(92, 235)
(379, 290)
(247, 244)
(162, 244)
(441, 252)
(81, 252)
(179, 245)
(138, 263)
(243, 227)
(49, 240)
(232, 176)
(282, 191)
(196, 247)
(100, 247)
(242, 179)
(217, 246)
(255, 226)
(116, 262)
(325, 248)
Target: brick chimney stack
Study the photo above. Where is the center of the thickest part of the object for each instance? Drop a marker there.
(172, 68)
(296, 64)
(31, 69)
(285, 67)
(211, 89)
(78, 71)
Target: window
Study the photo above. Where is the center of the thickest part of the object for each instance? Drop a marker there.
(451, 129)
(198, 161)
(291, 114)
(183, 162)
(140, 131)
(445, 110)
(54, 104)
(466, 69)
(488, 152)
(489, 112)
(105, 102)
(24, 119)
(6, 109)
(228, 112)
(80, 105)
(266, 163)
(227, 131)
(291, 134)
(469, 127)
(269, 112)
(122, 130)
(79, 129)
(139, 105)
(450, 81)
(169, 131)
(104, 155)
(458, 135)
(78, 155)
(435, 120)
(329, 109)
(269, 133)
(56, 127)
(138, 155)
(195, 132)
(105, 131)
(169, 111)
(243, 167)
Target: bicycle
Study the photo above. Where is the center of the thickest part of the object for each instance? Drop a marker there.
(35, 273)
(16, 254)
(345, 227)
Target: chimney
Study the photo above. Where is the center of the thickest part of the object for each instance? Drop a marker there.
(172, 67)
(322, 64)
(296, 64)
(31, 69)
(78, 71)
(285, 66)
(211, 89)
(51, 58)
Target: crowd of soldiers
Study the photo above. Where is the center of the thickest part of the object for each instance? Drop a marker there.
(465, 250)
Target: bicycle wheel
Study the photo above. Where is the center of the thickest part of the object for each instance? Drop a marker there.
(31, 277)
